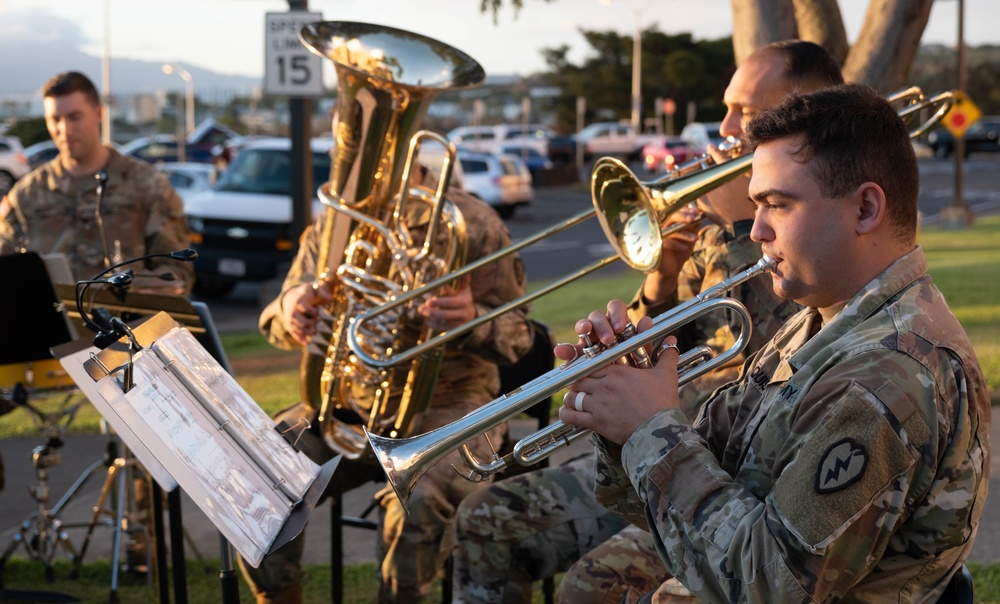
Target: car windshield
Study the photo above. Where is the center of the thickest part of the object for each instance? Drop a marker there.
(472, 166)
(269, 171)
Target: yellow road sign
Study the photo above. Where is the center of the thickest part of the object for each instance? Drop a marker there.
(963, 113)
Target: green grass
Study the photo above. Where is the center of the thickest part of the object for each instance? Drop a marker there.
(203, 585)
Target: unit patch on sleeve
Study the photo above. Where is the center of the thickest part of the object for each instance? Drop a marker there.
(842, 464)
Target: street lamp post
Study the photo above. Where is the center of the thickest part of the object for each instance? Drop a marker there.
(636, 66)
(637, 73)
(169, 68)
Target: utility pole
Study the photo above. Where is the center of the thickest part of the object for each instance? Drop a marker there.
(958, 215)
(300, 112)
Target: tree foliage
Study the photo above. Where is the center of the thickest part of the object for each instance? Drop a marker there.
(29, 130)
(885, 56)
(677, 67)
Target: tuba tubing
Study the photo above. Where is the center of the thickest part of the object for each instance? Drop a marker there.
(405, 460)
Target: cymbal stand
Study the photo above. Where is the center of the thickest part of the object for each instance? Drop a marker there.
(42, 534)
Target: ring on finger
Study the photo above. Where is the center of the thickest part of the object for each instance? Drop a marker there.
(578, 401)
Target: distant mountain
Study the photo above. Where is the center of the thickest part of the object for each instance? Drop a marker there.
(24, 70)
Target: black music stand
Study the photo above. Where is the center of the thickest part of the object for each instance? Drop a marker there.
(32, 322)
(32, 317)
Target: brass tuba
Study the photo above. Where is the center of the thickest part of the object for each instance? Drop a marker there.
(387, 79)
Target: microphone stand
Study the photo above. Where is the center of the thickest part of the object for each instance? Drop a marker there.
(102, 180)
(109, 330)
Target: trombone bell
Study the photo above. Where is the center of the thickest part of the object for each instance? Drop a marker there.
(632, 217)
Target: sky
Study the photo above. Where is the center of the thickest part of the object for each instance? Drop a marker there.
(227, 36)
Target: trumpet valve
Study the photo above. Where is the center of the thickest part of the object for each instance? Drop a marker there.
(590, 349)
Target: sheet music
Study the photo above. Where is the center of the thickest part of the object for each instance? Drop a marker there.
(190, 418)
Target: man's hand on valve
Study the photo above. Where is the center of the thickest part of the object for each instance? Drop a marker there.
(677, 248)
(616, 399)
(300, 308)
(451, 308)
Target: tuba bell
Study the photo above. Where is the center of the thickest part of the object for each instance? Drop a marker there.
(368, 253)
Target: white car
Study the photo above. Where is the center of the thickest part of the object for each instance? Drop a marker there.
(189, 178)
(700, 135)
(489, 139)
(13, 162)
(242, 227)
(501, 180)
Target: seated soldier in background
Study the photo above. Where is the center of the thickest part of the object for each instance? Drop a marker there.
(411, 548)
(63, 208)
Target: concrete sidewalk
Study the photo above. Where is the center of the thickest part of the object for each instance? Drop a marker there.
(81, 452)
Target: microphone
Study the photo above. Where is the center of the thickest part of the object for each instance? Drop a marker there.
(186, 255)
(102, 319)
(109, 329)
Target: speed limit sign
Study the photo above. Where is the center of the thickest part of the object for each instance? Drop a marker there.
(289, 68)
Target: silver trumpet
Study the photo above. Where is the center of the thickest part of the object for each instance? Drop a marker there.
(406, 459)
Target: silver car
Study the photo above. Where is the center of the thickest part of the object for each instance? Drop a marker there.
(13, 162)
(501, 180)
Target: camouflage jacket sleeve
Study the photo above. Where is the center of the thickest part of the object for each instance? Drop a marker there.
(718, 255)
(506, 338)
(502, 340)
(166, 228)
(850, 465)
(303, 270)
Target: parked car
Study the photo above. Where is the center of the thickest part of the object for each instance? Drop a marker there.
(13, 162)
(983, 136)
(198, 146)
(562, 150)
(489, 139)
(161, 148)
(535, 161)
(189, 178)
(501, 180)
(700, 135)
(242, 228)
(667, 152)
(41, 153)
(613, 138)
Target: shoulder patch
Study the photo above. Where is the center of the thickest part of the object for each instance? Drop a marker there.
(842, 464)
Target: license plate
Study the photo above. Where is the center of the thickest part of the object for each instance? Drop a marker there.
(232, 267)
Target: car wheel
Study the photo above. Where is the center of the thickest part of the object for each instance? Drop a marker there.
(6, 182)
(942, 151)
(505, 211)
(213, 287)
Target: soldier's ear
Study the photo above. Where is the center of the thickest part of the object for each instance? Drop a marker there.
(870, 200)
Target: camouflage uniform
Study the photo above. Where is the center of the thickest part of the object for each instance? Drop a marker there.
(849, 462)
(413, 548)
(535, 525)
(53, 212)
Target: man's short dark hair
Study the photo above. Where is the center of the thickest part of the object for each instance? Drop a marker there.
(68, 83)
(852, 135)
(807, 64)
